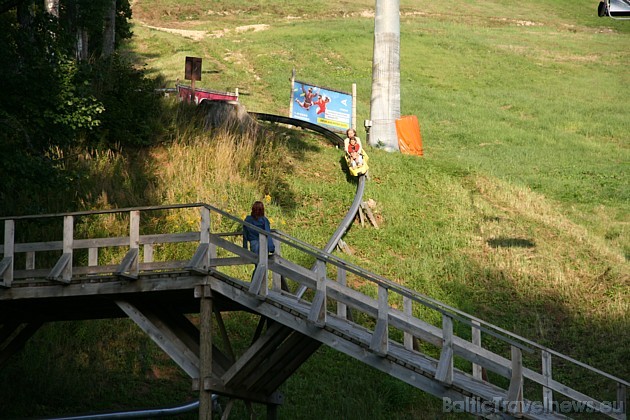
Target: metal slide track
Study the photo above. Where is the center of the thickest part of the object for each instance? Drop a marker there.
(337, 141)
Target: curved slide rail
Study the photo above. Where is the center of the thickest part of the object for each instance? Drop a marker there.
(330, 135)
(138, 414)
(358, 197)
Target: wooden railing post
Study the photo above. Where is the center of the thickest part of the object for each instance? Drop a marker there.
(276, 278)
(204, 293)
(204, 236)
(62, 271)
(546, 372)
(380, 337)
(477, 370)
(93, 257)
(515, 390)
(621, 399)
(6, 265)
(317, 314)
(128, 268)
(206, 251)
(68, 241)
(444, 371)
(259, 285)
(134, 239)
(342, 308)
(147, 253)
(408, 309)
(30, 260)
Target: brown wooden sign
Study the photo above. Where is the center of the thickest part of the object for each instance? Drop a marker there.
(193, 68)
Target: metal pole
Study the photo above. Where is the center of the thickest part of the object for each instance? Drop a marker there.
(385, 99)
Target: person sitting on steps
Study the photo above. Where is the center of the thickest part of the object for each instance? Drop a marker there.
(258, 219)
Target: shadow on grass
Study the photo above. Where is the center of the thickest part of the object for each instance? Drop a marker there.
(503, 242)
(344, 168)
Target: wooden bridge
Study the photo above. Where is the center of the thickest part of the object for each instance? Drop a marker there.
(76, 275)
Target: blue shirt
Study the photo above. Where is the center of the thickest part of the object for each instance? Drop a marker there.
(251, 236)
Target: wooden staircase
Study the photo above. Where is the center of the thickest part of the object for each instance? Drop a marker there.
(389, 328)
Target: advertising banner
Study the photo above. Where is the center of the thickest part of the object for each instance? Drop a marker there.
(326, 107)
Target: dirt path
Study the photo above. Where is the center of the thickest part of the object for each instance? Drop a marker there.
(199, 35)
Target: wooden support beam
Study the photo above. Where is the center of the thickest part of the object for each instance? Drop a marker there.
(68, 240)
(477, 370)
(93, 257)
(6, 271)
(205, 351)
(276, 278)
(57, 273)
(369, 214)
(205, 229)
(200, 260)
(253, 356)
(343, 246)
(9, 249)
(342, 308)
(17, 340)
(546, 372)
(444, 372)
(622, 407)
(228, 409)
(126, 268)
(380, 338)
(30, 260)
(259, 285)
(408, 310)
(228, 261)
(515, 390)
(233, 248)
(317, 315)
(293, 271)
(281, 363)
(164, 337)
(301, 353)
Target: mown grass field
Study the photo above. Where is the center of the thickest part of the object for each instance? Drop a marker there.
(518, 213)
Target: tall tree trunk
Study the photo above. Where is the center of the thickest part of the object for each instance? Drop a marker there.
(385, 100)
(109, 30)
(82, 44)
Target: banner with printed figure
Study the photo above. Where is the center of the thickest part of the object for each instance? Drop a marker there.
(329, 108)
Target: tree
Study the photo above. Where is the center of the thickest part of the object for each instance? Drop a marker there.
(109, 30)
(385, 100)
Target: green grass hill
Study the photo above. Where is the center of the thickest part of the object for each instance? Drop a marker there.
(517, 213)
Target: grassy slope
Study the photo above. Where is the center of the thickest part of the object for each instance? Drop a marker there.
(518, 213)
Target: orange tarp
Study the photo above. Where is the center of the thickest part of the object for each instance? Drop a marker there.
(409, 138)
